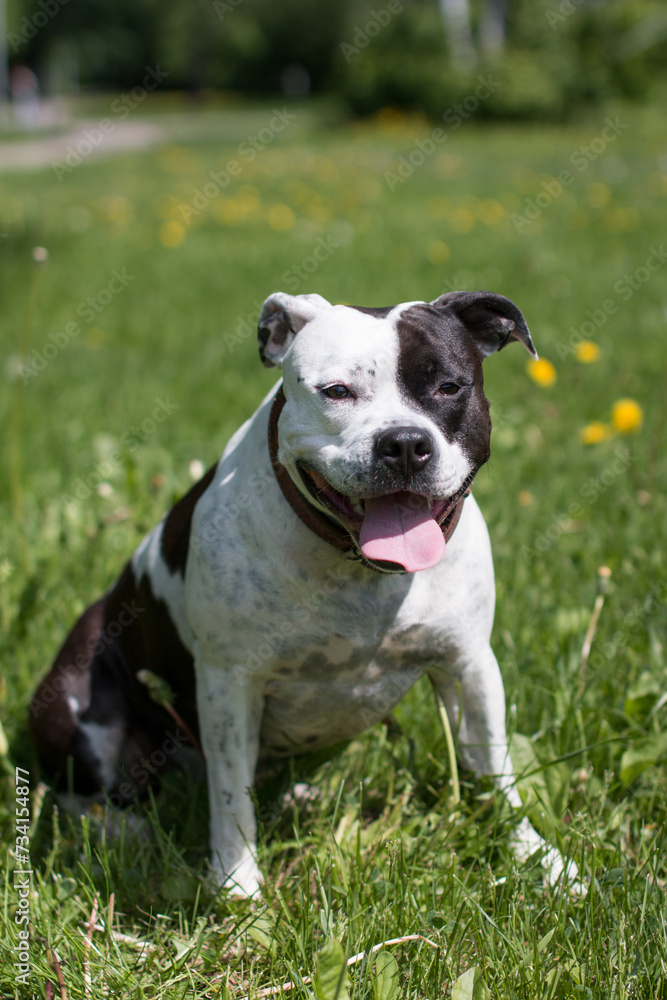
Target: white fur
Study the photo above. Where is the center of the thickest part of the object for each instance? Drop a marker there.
(297, 646)
(337, 437)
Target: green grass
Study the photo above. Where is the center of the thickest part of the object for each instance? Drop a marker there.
(381, 853)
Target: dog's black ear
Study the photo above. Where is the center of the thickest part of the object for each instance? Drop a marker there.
(490, 319)
(281, 319)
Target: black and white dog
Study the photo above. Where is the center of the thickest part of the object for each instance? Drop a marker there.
(328, 561)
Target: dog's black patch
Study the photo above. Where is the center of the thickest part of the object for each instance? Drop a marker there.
(175, 540)
(435, 349)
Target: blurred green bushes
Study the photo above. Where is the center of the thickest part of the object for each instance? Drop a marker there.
(557, 58)
(553, 57)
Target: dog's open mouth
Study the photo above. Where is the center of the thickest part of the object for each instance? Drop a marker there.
(402, 528)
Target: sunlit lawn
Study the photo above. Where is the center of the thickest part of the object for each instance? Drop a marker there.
(381, 853)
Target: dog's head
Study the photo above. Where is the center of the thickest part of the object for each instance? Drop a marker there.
(386, 421)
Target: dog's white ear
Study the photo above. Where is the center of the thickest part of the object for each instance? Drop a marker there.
(490, 319)
(281, 319)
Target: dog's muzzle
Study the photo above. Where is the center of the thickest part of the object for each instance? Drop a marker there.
(400, 531)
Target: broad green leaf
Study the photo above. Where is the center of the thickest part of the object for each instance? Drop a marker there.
(261, 929)
(546, 939)
(613, 877)
(527, 960)
(331, 980)
(642, 696)
(638, 759)
(385, 981)
(470, 986)
(557, 778)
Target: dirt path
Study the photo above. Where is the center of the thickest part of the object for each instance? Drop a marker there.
(86, 140)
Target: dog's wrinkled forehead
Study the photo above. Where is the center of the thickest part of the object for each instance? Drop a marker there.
(460, 327)
(349, 344)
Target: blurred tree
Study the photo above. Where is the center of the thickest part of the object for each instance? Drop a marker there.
(456, 19)
(492, 27)
(552, 56)
(242, 44)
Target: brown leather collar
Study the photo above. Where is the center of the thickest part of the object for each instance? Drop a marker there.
(316, 520)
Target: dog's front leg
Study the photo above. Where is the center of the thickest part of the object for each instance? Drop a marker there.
(230, 712)
(475, 703)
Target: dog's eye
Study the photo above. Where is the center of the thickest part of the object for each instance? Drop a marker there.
(449, 388)
(337, 392)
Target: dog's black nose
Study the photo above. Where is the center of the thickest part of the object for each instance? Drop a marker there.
(405, 450)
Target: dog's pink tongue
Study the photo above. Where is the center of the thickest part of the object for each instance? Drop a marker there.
(401, 529)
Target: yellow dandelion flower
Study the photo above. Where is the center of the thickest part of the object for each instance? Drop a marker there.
(391, 119)
(95, 338)
(542, 372)
(598, 194)
(587, 352)
(595, 433)
(438, 252)
(281, 217)
(462, 220)
(172, 234)
(491, 212)
(117, 209)
(619, 219)
(627, 416)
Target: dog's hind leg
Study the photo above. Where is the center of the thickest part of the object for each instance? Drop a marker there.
(81, 756)
(89, 741)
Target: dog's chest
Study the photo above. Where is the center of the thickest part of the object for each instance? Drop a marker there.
(335, 686)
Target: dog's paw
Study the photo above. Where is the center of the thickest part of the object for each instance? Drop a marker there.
(527, 842)
(244, 880)
(558, 869)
